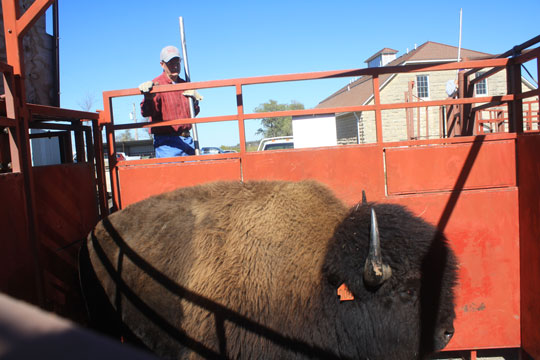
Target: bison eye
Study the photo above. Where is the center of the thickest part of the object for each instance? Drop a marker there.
(408, 294)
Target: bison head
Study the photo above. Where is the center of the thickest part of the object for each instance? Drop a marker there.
(401, 273)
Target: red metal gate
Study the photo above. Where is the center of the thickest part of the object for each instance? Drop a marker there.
(45, 211)
(481, 190)
(478, 189)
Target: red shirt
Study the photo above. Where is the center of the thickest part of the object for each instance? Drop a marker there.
(166, 106)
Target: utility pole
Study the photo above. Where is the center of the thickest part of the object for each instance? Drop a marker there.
(134, 118)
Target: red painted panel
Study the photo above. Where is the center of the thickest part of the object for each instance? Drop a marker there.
(482, 225)
(66, 204)
(483, 228)
(16, 261)
(428, 168)
(137, 182)
(346, 170)
(529, 220)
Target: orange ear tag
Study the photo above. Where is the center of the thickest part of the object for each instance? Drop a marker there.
(344, 293)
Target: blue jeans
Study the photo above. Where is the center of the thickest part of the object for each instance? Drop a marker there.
(173, 145)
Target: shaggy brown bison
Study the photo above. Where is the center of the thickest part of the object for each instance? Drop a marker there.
(253, 270)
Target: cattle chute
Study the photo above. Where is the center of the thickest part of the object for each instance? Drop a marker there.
(480, 188)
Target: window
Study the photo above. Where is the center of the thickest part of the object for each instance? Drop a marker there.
(422, 86)
(480, 87)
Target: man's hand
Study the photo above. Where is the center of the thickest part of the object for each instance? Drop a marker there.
(146, 87)
(194, 94)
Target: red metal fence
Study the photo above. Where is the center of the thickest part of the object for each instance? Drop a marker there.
(45, 211)
(482, 190)
(494, 120)
(470, 186)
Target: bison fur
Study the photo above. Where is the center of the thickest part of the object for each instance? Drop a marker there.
(251, 270)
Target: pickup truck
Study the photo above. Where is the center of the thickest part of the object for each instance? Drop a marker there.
(275, 143)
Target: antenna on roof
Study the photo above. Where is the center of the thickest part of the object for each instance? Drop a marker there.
(460, 27)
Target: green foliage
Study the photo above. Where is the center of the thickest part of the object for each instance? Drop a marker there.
(277, 126)
(250, 146)
(124, 136)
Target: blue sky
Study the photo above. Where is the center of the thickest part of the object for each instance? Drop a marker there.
(115, 44)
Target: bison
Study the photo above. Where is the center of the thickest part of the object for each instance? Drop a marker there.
(276, 270)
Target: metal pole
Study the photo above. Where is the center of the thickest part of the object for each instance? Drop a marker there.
(56, 37)
(460, 27)
(188, 79)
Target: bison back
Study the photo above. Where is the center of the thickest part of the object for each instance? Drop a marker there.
(221, 268)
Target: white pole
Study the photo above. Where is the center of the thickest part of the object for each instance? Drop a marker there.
(188, 79)
(460, 27)
(135, 119)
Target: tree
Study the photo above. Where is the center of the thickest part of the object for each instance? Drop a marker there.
(87, 102)
(277, 126)
(124, 136)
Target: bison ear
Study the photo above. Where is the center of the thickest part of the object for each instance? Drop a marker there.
(375, 271)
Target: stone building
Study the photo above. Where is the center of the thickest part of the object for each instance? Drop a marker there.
(414, 123)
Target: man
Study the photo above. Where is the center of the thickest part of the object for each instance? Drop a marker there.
(172, 140)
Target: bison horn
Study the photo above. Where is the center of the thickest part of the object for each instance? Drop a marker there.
(375, 271)
(364, 199)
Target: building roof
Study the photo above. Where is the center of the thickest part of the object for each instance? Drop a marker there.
(383, 51)
(359, 92)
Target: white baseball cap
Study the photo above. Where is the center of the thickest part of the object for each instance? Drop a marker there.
(169, 52)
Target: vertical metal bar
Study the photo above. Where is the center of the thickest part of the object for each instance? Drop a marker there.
(91, 158)
(109, 129)
(440, 121)
(427, 122)
(515, 107)
(462, 83)
(410, 111)
(417, 123)
(12, 113)
(241, 127)
(538, 109)
(33, 225)
(528, 116)
(479, 125)
(15, 58)
(79, 144)
(378, 115)
(188, 79)
(407, 119)
(240, 113)
(66, 152)
(56, 36)
(473, 355)
(100, 168)
(107, 118)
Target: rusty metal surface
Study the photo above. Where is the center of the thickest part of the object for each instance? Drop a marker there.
(17, 275)
(138, 182)
(529, 217)
(425, 169)
(346, 170)
(483, 229)
(482, 224)
(67, 211)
